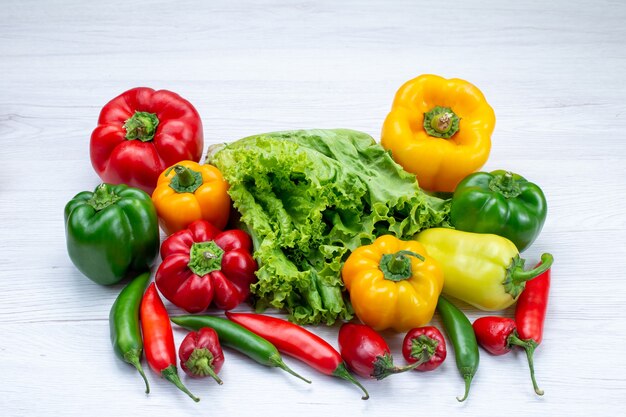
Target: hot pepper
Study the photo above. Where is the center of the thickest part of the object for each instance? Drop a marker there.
(201, 355)
(189, 191)
(530, 314)
(367, 353)
(111, 232)
(461, 333)
(239, 338)
(439, 129)
(159, 339)
(140, 133)
(483, 270)
(501, 203)
(299, 343)
(124, 324)
(497, 335)
(424, 346)
(202, 264)
(392, 283)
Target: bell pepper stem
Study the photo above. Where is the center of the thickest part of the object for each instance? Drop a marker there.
(185, 177)
(529, 346)
(132, 357)
(141, 125)
(342, 372)
(103, 197)
(383, 366)
(171, 375)
(441, 122)
(397, 266)
(519, 275)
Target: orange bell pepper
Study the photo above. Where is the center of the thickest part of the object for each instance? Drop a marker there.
(187, 192)
(440, 130)
(393, 284)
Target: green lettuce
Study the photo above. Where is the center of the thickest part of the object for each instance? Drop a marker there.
(310, 197)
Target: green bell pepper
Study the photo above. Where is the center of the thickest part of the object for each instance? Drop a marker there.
(111, 232)
(501, 203)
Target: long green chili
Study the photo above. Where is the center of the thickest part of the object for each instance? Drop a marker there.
(460, 331)
(124, 324)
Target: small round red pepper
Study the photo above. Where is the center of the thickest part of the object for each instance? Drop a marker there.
(202, 264)
(424, 346)
(497, 335)
(201, 354)
(366, 352)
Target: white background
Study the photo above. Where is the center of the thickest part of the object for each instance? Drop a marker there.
(553, 71)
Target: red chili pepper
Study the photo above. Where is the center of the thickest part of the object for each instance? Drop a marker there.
(140, 133)
(297, 342)
(201, 354)
(366, 352)
(424, 346)
(158, 339)
(497, 335)
(532, 304)
(202, 264)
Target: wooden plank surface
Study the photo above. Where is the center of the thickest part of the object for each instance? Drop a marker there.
(553, 71)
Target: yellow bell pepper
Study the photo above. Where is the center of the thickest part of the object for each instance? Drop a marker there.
(393, 284)
(187, 192)
(440, 130)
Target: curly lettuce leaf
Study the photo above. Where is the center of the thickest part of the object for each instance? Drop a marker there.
(309, 198)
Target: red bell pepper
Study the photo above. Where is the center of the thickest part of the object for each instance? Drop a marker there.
(142, 132)
(202, 264)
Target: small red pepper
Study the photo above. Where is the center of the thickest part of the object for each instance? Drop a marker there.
(497, 335)
(297, 342)
(202, 264)
(158, 339)
(424, 346)
(201, 354)
(366, 352)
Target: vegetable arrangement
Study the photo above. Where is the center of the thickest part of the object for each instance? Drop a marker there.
(323, 225)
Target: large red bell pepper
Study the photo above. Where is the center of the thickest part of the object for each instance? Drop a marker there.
(202, 264)
(142, 132)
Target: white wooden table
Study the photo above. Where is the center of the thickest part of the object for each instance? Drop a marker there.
(553, 71)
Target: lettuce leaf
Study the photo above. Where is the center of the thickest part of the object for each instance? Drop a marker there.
(310, 197)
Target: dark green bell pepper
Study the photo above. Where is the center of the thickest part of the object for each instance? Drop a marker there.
(501, 203)
(111, 232)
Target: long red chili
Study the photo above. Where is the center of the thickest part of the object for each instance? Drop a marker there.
(158, 339)
(530, 314)
(299, 343)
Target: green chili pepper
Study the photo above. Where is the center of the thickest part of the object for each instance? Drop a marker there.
(124, 323)
(237, 337)
(461, 333)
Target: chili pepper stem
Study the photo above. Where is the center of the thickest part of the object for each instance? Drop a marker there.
(171, 375)
(280, 364)
(132, 357)
(201, 363)
(520, 275)
(342, 372)
(468, 381)
(529, 346)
